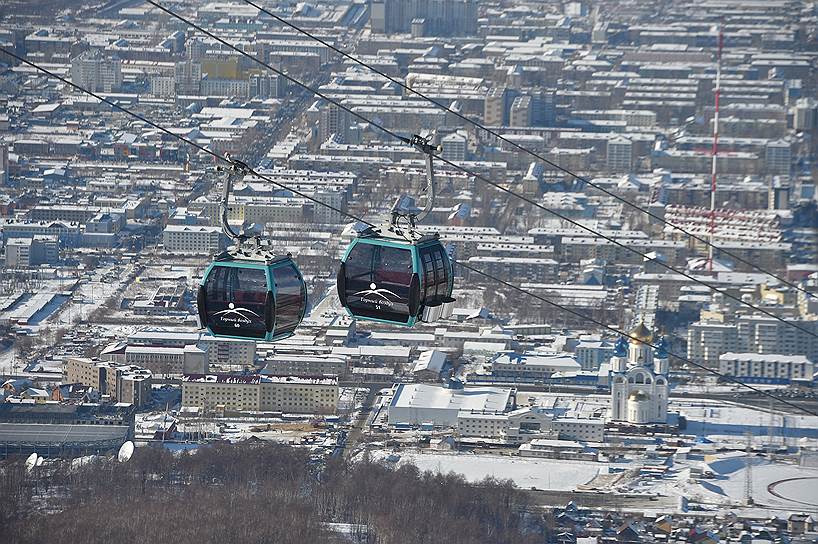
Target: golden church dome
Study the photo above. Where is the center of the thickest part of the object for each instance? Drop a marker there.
(641, 334)
(638, 395)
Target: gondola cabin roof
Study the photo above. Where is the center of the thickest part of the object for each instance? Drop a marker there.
(395, 234)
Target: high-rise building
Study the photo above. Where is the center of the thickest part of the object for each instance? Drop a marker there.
(620, 155)
(440, 17)
(196, 49)
(454, 147)
(762, 334)
(494, 108)
(266, 86)
(805, 114)
(93, 71)
(543, 110)
(520, 113)
(333, 120)
(779, 195)
(188, 77)
(778, 157)
(163, 86)
(706, 341)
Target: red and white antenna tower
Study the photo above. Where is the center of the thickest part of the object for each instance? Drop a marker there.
(715, 150)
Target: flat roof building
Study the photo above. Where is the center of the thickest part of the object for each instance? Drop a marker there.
(415, 404)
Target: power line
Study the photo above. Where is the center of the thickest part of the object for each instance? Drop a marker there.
(631, 249)
(478, 176)
(514, 144)
(626, 335)
(170, 133)
(352, 216)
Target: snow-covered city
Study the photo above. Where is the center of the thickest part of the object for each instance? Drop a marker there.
(409, 271)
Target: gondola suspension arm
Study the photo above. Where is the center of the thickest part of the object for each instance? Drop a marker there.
(237, 169)
(421, 144)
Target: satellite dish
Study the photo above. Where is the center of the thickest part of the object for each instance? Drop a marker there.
(31, 461)
(125, 452)
(40, 461)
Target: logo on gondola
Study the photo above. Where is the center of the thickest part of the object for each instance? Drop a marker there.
(373, 290)
(236, 316)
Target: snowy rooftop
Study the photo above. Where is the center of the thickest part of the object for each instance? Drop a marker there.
(435, 396)
(763, 357)
(555, 362)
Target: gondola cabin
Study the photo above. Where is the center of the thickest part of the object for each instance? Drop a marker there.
(390, 279)
(254, 298)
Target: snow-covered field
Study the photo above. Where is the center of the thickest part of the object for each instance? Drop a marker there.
(550, 474)
(91, 293)
(796, 496)
(777, 486)
(716, 419)
(6, 360)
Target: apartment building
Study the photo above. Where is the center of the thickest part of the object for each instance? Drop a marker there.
(706, 341)
(219, 350)
(256, 393)
(532, 268)
(122, 382)
(290, 364)
(532, 366)
(189, 359)
(520, 112)
(495, 106)
(620, 155)
(766, 335)
(590, 354)
(193, 239)
(93, 71)
(63, 212)
(766, 368)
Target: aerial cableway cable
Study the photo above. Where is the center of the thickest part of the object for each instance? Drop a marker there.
(352, 216)
(482, 178)
(520, 147)
(171, 133)
(631, 337)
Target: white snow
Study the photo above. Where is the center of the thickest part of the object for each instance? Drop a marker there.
(799, 496)
(550, 474)
(726, 420)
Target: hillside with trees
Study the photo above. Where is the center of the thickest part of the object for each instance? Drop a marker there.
(254, 493)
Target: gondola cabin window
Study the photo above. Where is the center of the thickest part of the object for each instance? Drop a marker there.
(378, 281)
(236, 301)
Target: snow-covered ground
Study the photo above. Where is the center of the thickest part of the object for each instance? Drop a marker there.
(549, 474)
(712, 388)
(725, 420)
(777, 486)
(7, 358)
(92, 292)
(796, 495)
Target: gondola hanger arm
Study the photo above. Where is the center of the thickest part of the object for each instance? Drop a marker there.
(236, 169)
(421, 144)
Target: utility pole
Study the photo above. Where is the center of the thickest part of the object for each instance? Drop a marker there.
(771, 430)
(748, 471)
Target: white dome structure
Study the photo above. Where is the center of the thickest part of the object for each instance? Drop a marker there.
(639, 404)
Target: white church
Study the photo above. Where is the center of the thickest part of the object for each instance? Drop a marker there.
(639, 386)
